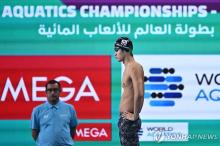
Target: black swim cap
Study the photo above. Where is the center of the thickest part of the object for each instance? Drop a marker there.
(123, 43)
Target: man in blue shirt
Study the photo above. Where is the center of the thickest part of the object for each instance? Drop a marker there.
(54, 122)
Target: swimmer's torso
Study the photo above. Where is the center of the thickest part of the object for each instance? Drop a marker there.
(127, 99)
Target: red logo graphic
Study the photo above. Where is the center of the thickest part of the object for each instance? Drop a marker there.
(93, 132)
(85, 80)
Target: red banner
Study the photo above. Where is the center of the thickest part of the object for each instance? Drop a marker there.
(85, 81)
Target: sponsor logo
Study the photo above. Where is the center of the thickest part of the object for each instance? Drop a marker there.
(180, 86)
(159, 132)
(93, 132)
(163, 87)
(85, 84)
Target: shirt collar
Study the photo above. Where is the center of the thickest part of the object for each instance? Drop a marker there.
(51, 106)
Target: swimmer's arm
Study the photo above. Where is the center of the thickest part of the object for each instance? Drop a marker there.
(138, 85)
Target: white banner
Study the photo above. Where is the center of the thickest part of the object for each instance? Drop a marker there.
(181, 86)
(160, 132)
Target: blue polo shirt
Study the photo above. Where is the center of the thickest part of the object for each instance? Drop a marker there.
(54, 123)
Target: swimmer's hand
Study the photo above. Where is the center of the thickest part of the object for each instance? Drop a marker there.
(129, 116)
